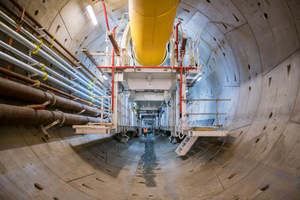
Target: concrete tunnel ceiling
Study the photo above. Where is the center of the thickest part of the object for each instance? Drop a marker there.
(250, 53)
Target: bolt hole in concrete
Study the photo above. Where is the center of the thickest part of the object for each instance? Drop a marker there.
(232, 175)
(264, 188)
(38, 186)
(36, 12)
(288, 69)
(235, 17)
(270, 115)
(257, 140)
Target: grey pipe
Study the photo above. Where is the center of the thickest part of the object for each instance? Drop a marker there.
(28, 116)
(47, 49)
(16, 90)
(4, 28)
(35, 40)
(33, 61)
(27, 67)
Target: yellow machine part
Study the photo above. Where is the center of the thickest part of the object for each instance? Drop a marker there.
(151, 23)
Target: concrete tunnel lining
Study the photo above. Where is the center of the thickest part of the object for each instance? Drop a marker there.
(255, 61)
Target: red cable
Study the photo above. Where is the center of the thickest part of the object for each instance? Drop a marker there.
(105, 13)
(180, 91)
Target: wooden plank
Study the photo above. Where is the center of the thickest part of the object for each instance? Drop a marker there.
(216, 133)
(207, 128)
(92, 131)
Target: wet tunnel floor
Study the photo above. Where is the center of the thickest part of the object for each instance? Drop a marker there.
(148, 181)
(147, 163)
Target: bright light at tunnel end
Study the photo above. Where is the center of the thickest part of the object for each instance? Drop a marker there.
(92, 14)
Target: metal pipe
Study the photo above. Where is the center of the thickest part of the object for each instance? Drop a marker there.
(22, 115)
(16, 90)
(114, 43)
(4, 28)
(42, 85)
(27, 67)
(51, 44)
(53, 38)
(180, 92)
(40, 65)
(177, 42)
(182, 49)
(112, 73)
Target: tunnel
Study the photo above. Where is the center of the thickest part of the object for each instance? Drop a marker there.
(239, 73)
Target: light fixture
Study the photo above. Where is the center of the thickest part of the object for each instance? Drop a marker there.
(92, 14)
(104, 77)
(198, 79)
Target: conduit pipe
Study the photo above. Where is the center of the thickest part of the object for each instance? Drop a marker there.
(44, 47)
(42, 85)
(4, 28)
(22, 115)
(31, 69)
(111, 35)
(19, 91)
(40, 65)
(177, 43)
(112, 73)
(151, 24)
(55, 40)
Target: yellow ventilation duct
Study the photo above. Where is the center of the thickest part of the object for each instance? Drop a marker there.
(151, 23)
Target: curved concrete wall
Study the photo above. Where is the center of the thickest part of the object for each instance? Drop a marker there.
(252, 50)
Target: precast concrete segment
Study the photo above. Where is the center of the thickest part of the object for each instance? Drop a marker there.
(252, 57)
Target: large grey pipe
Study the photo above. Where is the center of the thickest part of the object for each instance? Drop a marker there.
(4, 28)
(40, 65)
(16, 90)
(21, 115)
(29, 68)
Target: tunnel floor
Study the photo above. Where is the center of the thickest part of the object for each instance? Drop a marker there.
(151, 166)
(69, 166)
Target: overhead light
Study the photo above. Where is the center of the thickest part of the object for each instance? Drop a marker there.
(92, 14)
(198, 79)
(104, 77)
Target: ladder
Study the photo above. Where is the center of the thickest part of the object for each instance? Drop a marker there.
(186, 145)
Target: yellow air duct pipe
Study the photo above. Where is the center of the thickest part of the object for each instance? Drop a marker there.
(151, 23)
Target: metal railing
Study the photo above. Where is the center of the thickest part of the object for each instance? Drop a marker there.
(217, 113)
